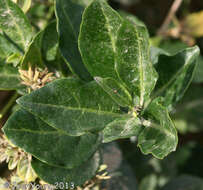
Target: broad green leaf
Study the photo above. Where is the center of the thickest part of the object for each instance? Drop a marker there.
(76, 176)
(48, 144)
(9, 77)
(15, 24)
(69, 16)
(33, 56)
(133, 60)
(124, 127)
(97, 39)
(175, 74)
(118, 92)
(69, 105)
(6, 47)
(159, 137)
(116, 48)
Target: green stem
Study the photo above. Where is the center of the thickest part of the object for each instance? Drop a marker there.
(9, 105)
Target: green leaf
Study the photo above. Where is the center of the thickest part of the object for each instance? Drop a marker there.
(76, 176)
(48, 144)
(198, 75)
(117, 92)
(97, 39)
(113, 47)
(69, 105)
(133, 61)
(50, 51)
(175, 74)
(33, 56)
(50, 42)
(9, 77)
(15, 24)
(14, 59)
(124, 127)
(69, 16)
(6, 47)
(159, 137)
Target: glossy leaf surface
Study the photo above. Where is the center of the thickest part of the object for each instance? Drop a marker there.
(122, 128)
(76, 176)
(159, 137)
(50, 145)
(175, 74)
(97, 39)
(69, 105)
(113, 47)
(15, 24)
(118, 92)
(133, 61)
(69, 16)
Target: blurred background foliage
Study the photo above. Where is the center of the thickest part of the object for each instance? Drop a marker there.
(183, 169)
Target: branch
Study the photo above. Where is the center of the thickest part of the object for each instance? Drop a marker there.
(176, 4)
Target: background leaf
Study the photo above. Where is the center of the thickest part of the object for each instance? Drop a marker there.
(69, 16)
(175, 74)
(9, 77)
(15, 24)
(6, 47)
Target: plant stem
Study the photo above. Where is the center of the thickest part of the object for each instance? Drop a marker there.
(176, 4)
(9, 105)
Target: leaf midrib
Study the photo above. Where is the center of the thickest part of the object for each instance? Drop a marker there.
(72, 108)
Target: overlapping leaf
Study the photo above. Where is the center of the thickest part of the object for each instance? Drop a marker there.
(69, 105)
(6, 47)
(175, 74)
(113, 47)
(33, 55)
(48, 144)
(159, 137)
(70, 178)
(133, 61)
(9, 77)
(123, 127)
(15, 24)
(69, 16)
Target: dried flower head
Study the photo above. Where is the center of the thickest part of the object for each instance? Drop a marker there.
(34, 78)
(96, 181)
(16, 158)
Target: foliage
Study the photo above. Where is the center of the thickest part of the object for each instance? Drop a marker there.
(119, 87)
